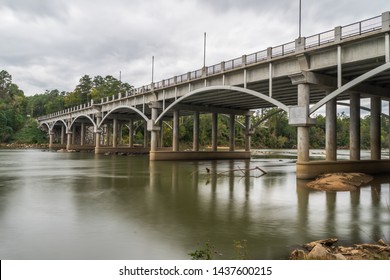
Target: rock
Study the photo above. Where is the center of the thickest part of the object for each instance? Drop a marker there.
(339, 256)
(340, 181)
(319, 252)
(298, 255)
(327, 251)
(325, 242)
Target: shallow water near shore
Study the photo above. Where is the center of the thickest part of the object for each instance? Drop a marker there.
(87, 206)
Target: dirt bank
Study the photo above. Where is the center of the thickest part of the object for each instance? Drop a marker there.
(340, 181)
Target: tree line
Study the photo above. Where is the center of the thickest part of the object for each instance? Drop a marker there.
(18, 113)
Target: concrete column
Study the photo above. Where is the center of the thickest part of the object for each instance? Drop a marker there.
(69, 140)
(303, 131)
(232, 134)
(375, 128)
(331, 136)
(51, 138)
(153, 138)
(103, 135)
(146, 136)
(97, 134)
(63, 134)
(108, 134)
(115, 133)
(74, 134)
(82, 134)
(214, 132)
(161, 134)
(388, 134)
(120, 134)
(195, 140)
(175, 131)
(131, 134)
(248, 133)
(354, 127)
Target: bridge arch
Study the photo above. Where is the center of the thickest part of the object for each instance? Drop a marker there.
(54, 123)
(124, 107)
(47, 125)
(86, 116)
(350, 85)
(227, 88)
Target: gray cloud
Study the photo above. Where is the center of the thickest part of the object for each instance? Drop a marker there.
(50, 44)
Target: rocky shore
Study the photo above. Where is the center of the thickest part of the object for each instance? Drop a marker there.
(327, 250)
(23, 146)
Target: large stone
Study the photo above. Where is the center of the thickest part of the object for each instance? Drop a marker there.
(319, 252)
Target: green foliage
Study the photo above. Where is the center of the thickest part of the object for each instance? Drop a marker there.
(206, 253)
(95, 89)
(30, 134)
(12, 107)
(43, 104)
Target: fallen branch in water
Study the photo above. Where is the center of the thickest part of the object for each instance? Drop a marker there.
(239, 169)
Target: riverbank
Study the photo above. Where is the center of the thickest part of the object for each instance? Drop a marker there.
(327, 250)
(23, 146)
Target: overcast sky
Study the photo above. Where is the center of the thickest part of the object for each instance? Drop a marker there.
(51, 44)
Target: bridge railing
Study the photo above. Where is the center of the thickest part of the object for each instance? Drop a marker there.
(347, 31)
(354, 29)
(320, 39)
(361, 27)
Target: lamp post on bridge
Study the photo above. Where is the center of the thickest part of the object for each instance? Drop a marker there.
(300, 19)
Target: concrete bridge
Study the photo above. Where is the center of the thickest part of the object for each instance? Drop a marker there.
(345, 63)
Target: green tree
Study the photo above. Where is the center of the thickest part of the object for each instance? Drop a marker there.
(12, 107)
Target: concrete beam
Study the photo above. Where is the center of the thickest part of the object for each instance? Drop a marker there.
(330, 82)
(210, 109)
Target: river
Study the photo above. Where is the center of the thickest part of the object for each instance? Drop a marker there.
(87, 206)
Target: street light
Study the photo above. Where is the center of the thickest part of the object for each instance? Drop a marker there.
(300, 18)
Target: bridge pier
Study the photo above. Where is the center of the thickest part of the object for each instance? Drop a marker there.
(175, 131)
(131, 133)
(62, 134)
(196, 154)
(354, 126)
(248, 133)
(232, 135)
(51, 139)
(330, 131)
(299, 116)
(375, 128)
(195, 140)
(214, 131)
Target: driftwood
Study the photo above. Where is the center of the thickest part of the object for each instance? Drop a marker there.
(243, 171)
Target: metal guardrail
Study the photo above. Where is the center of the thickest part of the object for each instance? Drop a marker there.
(347, 31)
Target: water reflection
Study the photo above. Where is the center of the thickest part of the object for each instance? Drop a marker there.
(85, 206)
(364, 217)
